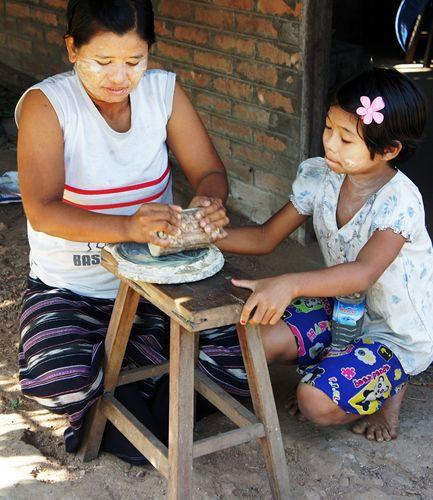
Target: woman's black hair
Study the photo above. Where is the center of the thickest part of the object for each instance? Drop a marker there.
(86, 18)
(404, 112)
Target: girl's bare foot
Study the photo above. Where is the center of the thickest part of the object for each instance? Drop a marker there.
(383, 425)
(293, 408)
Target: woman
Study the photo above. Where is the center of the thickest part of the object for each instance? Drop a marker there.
(93, 169)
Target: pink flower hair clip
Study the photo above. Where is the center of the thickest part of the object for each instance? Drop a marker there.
(369, 111)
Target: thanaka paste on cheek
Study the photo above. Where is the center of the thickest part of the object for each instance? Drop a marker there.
(351, 165)
(96, 78)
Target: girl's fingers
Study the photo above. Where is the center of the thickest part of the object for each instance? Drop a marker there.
(269, 313)
(217, 217)
(275, 318)
(219, 235)
(200, 201)
(249, 305)
(250, 284)
(259, 316)
(208, 207)
(211, 227)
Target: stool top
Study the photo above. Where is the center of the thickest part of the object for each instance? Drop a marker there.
(197, 306)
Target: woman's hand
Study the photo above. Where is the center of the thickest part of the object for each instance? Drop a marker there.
(150, 218)
(270, 298)
(212, 215)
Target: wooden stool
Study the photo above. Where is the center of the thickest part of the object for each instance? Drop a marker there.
(193, 307)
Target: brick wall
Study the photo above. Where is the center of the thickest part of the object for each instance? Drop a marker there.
(31, 36)
(240, 61)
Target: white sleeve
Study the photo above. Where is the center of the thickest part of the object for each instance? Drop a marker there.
(399, 208)
(309, 177)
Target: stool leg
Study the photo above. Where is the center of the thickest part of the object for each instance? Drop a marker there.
(196, 355)
(116, 341)
(265, 409)
(181, 413)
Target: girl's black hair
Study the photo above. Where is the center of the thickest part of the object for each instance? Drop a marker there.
(86, 18)
(404, 112)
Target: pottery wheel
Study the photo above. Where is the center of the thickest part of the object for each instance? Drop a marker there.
(135, 262)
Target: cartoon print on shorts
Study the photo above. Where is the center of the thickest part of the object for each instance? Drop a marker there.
(365, 355)
(310, 377)
(348, 372)
(315, 350)
(397, 374)
(318, 329)
(307, 304)
(385, 353)
(335, 388)
(399, 387)
(335, 353)
(370, 398)
(286, 314)
(299, 340)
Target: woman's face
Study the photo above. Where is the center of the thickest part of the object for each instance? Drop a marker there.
(110, 66)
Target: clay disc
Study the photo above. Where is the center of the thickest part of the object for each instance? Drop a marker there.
(135, 262)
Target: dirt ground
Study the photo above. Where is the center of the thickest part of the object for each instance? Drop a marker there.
(322, 463)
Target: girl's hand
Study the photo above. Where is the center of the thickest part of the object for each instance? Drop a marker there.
(212, 215)
(270, 298)
(150, 219)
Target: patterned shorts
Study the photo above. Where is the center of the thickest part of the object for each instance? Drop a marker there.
(360, 378)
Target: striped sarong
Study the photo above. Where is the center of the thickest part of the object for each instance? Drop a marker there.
(62, 346)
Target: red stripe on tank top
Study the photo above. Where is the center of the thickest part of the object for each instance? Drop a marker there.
(121, 189)
(118, 205)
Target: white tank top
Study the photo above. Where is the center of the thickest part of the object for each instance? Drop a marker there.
(105, 171)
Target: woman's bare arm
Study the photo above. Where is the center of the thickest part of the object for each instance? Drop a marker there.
(42, 180)
(188, 140)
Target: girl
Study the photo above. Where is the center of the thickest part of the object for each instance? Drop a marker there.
(369, 221)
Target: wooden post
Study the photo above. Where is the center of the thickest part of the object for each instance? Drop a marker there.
(181, 412)
(116, 341)
(265, 409)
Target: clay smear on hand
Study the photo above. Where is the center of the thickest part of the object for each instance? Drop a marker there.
(191, 236)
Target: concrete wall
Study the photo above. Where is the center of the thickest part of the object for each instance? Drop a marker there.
(240, 60)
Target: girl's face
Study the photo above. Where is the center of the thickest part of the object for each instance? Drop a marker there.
(110, 66)
(345, 151)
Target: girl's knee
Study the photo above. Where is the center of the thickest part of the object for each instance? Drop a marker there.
(317, 407)
(278, 343)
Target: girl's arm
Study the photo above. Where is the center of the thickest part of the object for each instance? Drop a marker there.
(271, 296)
(262, 239)
(42, 179)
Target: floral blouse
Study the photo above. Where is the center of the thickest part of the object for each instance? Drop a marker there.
(400, 304)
